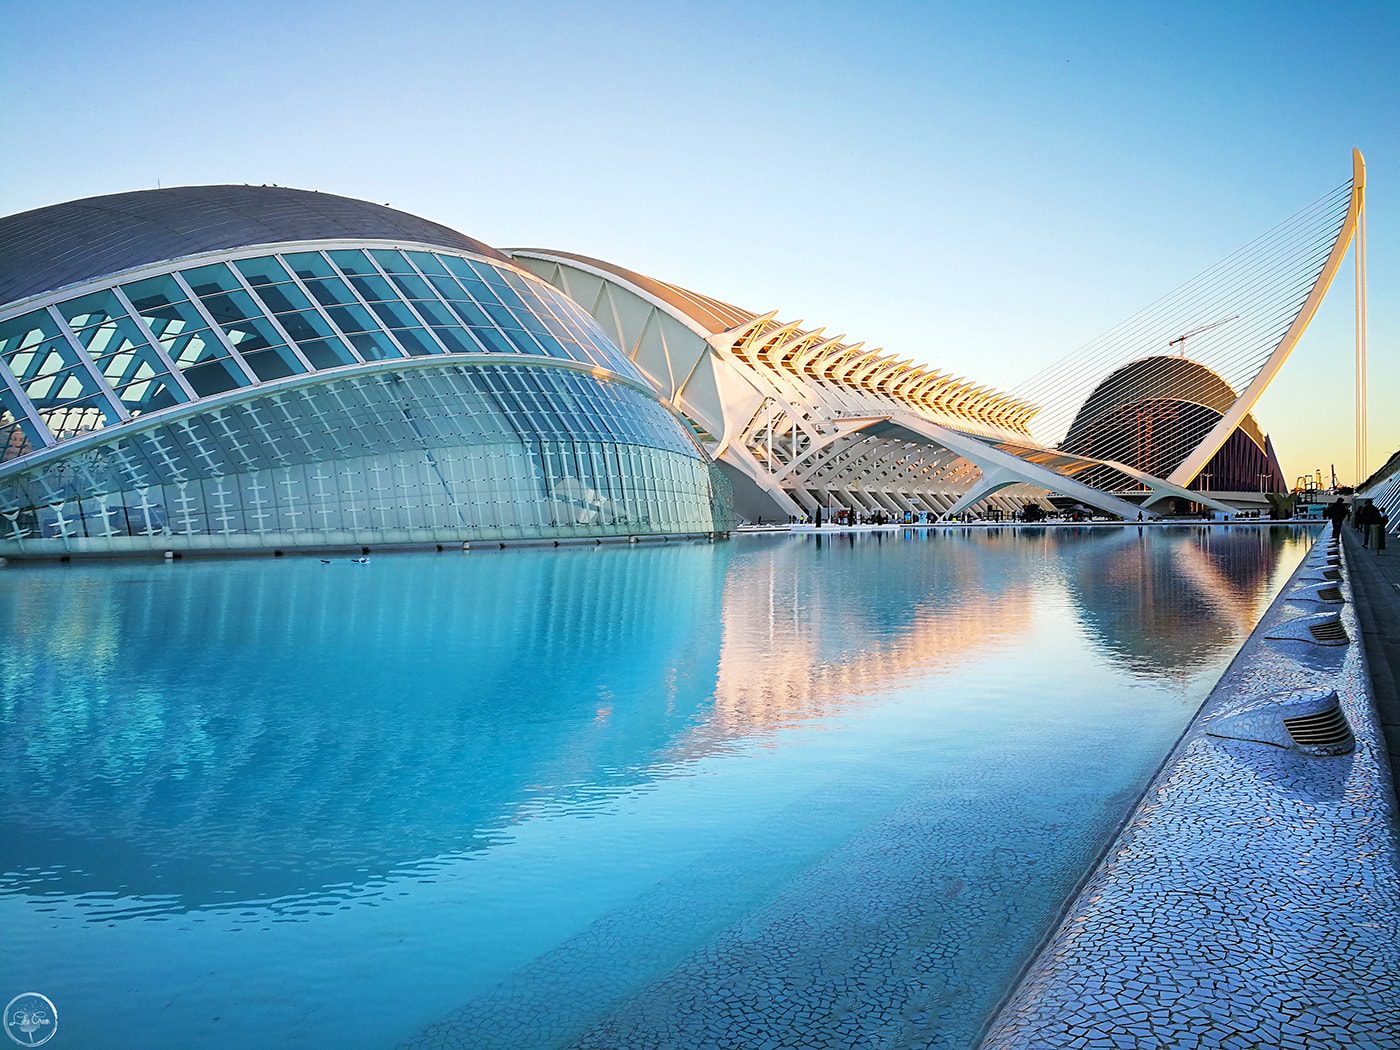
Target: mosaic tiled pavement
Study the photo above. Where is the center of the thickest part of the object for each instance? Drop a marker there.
(1253, 898)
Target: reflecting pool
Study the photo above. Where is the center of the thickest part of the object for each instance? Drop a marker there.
(829, 791)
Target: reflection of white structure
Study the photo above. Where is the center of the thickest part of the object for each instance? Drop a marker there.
(803, 419)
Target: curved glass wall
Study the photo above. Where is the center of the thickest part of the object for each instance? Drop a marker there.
(348, 394)
(421, 453)
(132, 347)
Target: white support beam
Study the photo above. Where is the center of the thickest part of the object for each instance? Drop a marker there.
(1209, 445)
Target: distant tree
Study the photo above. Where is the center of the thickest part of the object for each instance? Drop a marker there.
(1032, 512)
(1281, 506)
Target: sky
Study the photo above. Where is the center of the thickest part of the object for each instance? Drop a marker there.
(983, 187)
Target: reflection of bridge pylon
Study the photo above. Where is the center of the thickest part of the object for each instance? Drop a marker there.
(1359, 256)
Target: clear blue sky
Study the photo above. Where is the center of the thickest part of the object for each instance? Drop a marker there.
(983, 187)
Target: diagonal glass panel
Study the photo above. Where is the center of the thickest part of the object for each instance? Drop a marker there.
(457, 340)
(280, 298)
(118, 335)
(254, 333)
(309, 265)
(230, 307)
(326, 353)
(489, 274)
(44, 359)
(261, 347)
(332, 291)
(374, 346)
(364, 276)
(213, 376)
(52, 388)
(416, 341)
(501, 316)
(472, 315)
(131, 363)
(304, 325)
(190, 348)
(542, 310)
(351, 319)
(447, 287)
(391, 262)
(394, 315)
(411, 286)
(210, 280)
(435, 313)
(150, 394)
(96, 308)
(373, 289)
(430, 264)
(495, 340)
(470, 280)
(169, 321)
(25, 333)
(154, 293)
(315, 338)
(354, 262)
(267, 270)
(274, 362)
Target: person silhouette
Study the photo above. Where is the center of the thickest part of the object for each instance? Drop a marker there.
(1336, 513)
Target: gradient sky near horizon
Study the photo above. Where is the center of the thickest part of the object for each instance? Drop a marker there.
(982, 187)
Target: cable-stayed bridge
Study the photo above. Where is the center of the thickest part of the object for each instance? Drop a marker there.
(1154, 414)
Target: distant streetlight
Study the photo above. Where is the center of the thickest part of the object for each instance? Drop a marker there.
(1263, 478)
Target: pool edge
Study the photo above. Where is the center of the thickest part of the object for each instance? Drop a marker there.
(1100, 977)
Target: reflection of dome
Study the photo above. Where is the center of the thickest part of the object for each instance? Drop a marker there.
(1152, 412)
(1160, 608)
(431, 748)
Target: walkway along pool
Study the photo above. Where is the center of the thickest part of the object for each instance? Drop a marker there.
(828, 791)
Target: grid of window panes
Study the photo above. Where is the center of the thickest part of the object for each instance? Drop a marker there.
(417, 454)
(95, 360)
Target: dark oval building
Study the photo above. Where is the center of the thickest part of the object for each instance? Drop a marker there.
(1152, 413)
(240, 367)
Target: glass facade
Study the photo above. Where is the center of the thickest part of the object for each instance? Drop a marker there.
(111, 355)
(412, 455)
(538, 434)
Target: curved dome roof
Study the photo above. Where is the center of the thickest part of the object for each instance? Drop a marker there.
(63, 244)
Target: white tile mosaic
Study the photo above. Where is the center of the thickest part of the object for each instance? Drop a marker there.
(1253, 897)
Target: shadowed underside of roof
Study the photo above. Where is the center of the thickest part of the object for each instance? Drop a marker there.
(714, 315)
(64, 244)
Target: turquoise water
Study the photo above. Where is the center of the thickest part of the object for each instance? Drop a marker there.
(827, 792)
